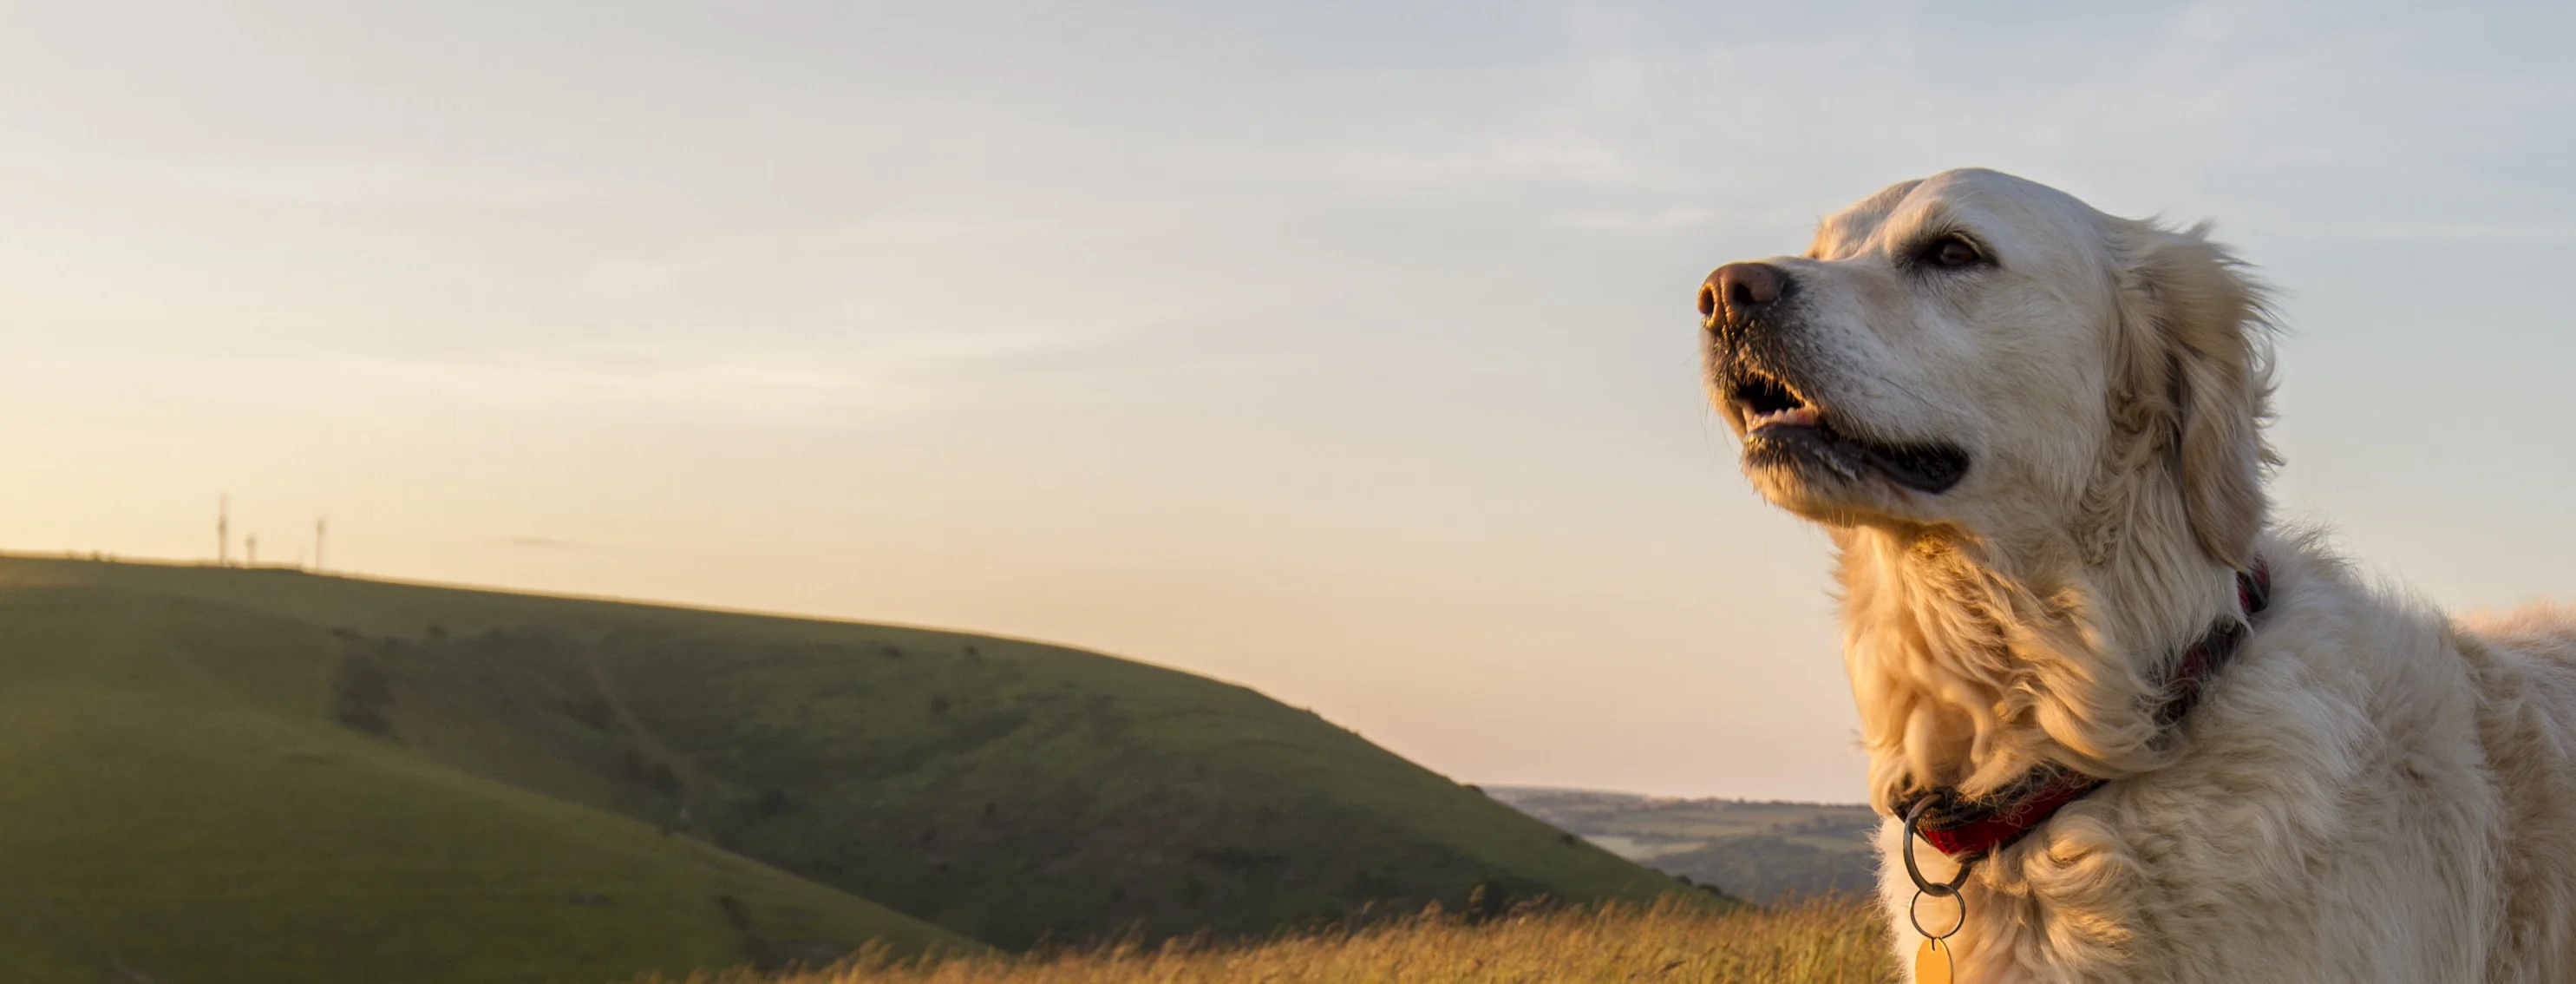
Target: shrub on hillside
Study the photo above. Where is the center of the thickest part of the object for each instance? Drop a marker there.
(360, 692)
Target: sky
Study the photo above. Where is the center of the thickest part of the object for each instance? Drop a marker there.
(1342, 350)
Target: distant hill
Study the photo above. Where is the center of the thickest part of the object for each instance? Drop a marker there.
(1761, 851)
(223, 774)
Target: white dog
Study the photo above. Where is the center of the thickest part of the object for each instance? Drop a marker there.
(2163, 741)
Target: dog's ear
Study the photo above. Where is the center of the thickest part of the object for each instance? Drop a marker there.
(2199, 378)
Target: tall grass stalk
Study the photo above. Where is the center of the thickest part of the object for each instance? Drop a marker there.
(1814, 942)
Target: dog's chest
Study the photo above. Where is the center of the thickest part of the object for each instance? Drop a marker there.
(2298, 840)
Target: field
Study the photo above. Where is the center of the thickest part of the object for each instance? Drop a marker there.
(225, 774)
(1830, 942)
(1761, 851)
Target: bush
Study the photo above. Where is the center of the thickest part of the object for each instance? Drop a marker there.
(360, 693)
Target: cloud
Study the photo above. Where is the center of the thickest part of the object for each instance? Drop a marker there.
(752, 385)
(546, 543)
(1660, 118)
(1675, 216)
(1574, 162)
(349, 183)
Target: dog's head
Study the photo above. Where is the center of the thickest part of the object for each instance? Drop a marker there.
(1987, 354)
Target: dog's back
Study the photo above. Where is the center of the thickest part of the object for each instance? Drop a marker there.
(2523, 664)
(2406, 782)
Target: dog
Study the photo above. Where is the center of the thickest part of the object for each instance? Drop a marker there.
(2122, 726)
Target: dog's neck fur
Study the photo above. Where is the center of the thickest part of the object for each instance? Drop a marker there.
(1973, 659)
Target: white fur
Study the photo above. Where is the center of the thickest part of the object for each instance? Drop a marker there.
(2369, 792)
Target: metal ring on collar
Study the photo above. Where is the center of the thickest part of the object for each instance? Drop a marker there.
(1925, 885)
(1914, 914)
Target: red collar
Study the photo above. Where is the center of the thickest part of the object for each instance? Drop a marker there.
(1961, 827)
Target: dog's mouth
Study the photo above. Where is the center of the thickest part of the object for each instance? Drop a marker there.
(1784, 430)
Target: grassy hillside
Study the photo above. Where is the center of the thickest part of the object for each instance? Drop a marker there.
(1760, 851)
(176, 807)
(281, 773)
(1830, 942)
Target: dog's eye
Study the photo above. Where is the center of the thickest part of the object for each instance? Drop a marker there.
(1953, 250)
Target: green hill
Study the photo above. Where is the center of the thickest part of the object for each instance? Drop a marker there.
(213, 775)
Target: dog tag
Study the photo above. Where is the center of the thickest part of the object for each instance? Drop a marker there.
(1931, 963)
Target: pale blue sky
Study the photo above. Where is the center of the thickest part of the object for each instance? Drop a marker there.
(1341, 350)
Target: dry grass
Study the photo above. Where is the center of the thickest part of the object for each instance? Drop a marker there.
(1807, 943)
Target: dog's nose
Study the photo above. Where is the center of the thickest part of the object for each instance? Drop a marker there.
(1740, 289)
